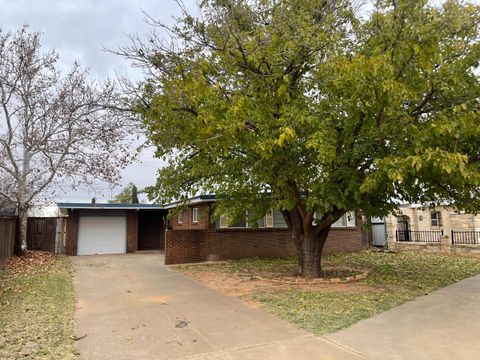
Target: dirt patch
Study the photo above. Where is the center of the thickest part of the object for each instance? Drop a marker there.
(248, 288)
(330, 275)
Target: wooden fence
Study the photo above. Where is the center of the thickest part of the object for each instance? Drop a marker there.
(41, 234)
(8, 227)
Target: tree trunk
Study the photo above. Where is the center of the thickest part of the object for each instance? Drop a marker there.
(22, 230)
(309, 239)
(310, 254)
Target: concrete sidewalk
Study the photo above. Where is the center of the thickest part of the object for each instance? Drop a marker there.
(441, 326)
(132, 307)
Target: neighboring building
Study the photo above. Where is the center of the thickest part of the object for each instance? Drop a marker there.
(415, 218)
(8, 211)
(46, 228)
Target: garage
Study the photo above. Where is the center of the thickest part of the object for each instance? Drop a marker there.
(96, 228)
(102, 234)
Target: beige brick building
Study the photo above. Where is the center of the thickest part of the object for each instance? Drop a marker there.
(416, 218)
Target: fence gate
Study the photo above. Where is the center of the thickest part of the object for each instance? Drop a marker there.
(379, 231)
(41, 234)
(403, 230)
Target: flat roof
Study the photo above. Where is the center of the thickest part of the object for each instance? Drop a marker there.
(194, 200)
(112, 206)
(100, 206)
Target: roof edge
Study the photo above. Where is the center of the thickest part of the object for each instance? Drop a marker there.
(193, 200)
(101, 206)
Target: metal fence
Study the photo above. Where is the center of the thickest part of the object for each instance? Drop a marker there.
(434, 236)
(7, 238)
(466, 237)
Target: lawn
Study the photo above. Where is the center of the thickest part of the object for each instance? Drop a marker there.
(324, 308)
(36, 308)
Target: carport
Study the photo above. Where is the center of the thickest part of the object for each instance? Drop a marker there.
(113, 228)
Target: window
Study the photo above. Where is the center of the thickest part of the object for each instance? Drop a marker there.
(180, 217)
(269, 219)
(240, 224)
(195, 215)
(347, 220)
(342, 222)
(272, 219)
(436, 218)
(223, 221)
(350, 219)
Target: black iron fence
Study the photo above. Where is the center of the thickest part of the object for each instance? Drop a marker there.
(466, 237)
(434, 236)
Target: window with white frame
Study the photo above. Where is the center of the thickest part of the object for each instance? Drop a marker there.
(342, 222)
(195, 215)
(180, 217)
(223, 221)
(269, 219)
(347, 220)
(272, 219)
(350, 219)
(436, 218)
(239, 224)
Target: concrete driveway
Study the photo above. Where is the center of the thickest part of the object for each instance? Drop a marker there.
(133, 307)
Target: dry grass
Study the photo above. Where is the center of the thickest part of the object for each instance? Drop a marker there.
(325, 308)
(36, 308)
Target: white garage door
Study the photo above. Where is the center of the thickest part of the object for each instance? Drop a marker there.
(102, 235)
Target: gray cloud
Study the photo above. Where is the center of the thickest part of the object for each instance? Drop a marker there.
(78, 30)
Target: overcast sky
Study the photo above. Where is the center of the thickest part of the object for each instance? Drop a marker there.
(78, 30)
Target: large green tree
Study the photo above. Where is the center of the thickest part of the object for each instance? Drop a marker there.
(128, 195)
(315, 106)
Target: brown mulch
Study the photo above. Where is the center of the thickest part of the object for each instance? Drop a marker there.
(246, 288)
(329, 275)
(28, 264)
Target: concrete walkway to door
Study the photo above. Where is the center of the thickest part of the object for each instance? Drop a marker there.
(133, 307)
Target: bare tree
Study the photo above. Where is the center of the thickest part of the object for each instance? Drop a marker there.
(55, 129)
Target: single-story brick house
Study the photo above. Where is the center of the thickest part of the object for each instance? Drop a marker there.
(192, 235)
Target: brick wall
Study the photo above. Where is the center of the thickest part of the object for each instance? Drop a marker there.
(187, 218)
(71, 233)
(222, 244)
(132, 231)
